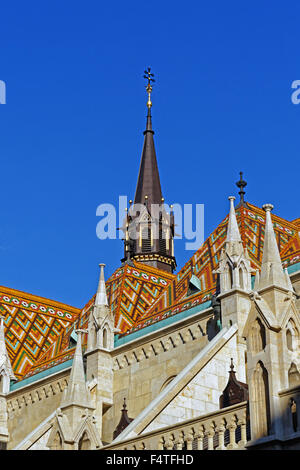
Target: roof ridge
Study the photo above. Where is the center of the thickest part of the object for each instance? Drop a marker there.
(9, 290)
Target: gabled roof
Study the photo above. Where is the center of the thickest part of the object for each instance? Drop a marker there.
(132, 290)
(251, 221)
(32, 325)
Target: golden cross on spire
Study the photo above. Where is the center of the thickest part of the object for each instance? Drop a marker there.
(148, 75)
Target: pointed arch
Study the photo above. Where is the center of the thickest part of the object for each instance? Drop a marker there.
(241, 278)
(257, 336)
(105, 338)
(292, 336)
(243, 282)
(289, 339)
(293, 375)
(260, 400)
(228, 277)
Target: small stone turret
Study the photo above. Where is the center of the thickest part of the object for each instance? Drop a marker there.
(272, 334)
(100, 343)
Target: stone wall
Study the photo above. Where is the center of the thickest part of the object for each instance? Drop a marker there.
(143, 368)
(29, 406)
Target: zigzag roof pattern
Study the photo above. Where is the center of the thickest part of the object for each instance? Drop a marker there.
(251, 221)
(130, 292)
(32, 324)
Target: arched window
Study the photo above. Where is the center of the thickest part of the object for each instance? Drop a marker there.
(84, 442)
(228, 277)
(257, 336)
(293, 376)
(105, 338)
(241, 278)
(260, 394)
(292, 336)
(289, 340)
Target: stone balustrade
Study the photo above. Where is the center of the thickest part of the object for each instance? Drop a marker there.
(228, 428)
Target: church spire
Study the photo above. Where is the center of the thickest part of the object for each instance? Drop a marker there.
(233, 244)
(149, 228)
(101, 297)
(148, 184)
(271, 266)
(233, 233)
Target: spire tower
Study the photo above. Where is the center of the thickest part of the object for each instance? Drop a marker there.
(271, 267)
(149, 228)
(101, 297)
(148, 183)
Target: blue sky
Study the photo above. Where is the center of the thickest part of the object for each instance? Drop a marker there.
(71, 130)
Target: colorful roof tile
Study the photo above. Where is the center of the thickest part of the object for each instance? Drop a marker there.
(32, 325)
(138, 295)
(251, 220)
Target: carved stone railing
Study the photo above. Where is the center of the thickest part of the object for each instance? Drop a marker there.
(227, 428)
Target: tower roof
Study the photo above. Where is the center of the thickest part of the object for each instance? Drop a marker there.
(233, 233)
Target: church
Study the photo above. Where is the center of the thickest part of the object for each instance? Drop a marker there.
(207, 358)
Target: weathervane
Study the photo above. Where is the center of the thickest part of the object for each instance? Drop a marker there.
(148, 75)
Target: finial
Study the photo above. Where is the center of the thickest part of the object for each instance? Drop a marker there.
(124, 405)
(231, 364)
(268, 207)
(241, 184)
(101, 298)
(148, 75)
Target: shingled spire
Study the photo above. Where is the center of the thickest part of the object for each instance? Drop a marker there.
(271, 267)
(149, 228)
(148, 183)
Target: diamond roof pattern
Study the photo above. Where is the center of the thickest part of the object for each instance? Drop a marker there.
(38, 331)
